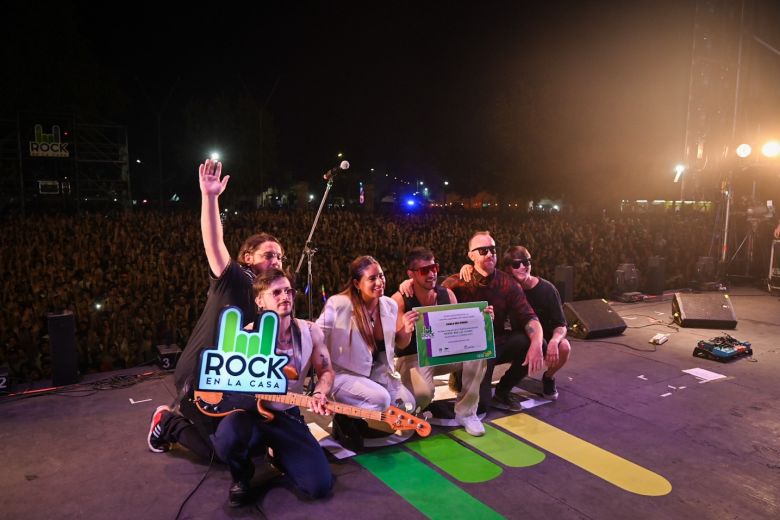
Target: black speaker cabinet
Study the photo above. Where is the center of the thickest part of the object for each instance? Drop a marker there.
(5, 378)
(705, 311)
(64, 357)
(656, 275)
(590, 319)
(564, 282)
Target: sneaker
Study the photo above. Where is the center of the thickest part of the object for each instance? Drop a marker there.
(238, 495)
(455, 384)
(155, 439)
(507, 401)
(472, 425)
(548, 388)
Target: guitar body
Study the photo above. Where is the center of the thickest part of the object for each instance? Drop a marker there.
(220, 404)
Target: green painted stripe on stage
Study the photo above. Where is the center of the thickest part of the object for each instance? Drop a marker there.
(506, 449)
(597, 461)
(429, 492)
(456, 459)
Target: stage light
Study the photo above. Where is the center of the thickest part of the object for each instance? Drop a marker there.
(744, 150)
(679, 169)
(215, 156)
(138, 161)
(771, 149)
(410, 202)
(446, 183)
(311, 197)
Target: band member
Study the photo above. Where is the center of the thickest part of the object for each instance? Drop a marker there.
(522, 346)
(359, 325)
(423, 270)
(546, 302)
(243, 435)
(230, 283)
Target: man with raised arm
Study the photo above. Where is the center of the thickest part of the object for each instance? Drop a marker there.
(230, 284)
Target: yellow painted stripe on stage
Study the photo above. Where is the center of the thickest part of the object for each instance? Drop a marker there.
(600, 462)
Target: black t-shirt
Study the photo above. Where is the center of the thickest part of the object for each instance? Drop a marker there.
(546, 301)
(233, 287)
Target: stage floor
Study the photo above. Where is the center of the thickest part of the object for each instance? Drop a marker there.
(631, 436)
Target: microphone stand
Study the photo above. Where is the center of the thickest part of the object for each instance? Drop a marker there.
(309, 251)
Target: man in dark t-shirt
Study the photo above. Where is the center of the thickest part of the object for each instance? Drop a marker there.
(230, 284)
(544, 298)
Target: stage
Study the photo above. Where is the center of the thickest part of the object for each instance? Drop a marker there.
(631, 436)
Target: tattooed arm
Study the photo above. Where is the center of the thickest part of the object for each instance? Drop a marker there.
(320, 358)
(534, 360)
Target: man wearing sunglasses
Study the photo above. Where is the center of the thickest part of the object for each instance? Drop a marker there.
(241, 436)
(230, 283)
(544, 298)
(423, 271)
(522, 346)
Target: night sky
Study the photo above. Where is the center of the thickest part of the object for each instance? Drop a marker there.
(526, 99)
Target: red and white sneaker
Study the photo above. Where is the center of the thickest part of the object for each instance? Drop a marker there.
(156, 440)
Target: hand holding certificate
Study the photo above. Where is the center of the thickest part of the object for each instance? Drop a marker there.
(454, 333)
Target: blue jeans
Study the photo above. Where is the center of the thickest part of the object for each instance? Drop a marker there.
(243, 435)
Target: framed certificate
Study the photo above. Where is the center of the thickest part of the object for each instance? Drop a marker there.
(454, 333)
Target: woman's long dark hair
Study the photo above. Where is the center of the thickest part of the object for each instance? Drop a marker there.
(356, 270)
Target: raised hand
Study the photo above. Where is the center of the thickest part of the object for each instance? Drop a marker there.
(209, 176)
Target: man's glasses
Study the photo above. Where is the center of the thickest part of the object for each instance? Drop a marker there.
(517, 262)
(287, 291)
(484, 250)
(271, 256)
(426, 269)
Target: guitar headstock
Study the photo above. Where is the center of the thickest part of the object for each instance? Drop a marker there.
(400, 420)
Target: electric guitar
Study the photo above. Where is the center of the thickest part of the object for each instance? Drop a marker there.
(219, 404)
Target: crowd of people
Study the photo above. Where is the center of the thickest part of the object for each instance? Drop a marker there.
(137, 280)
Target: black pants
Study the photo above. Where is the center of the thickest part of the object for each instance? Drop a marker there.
(509, 349)
(191, 429)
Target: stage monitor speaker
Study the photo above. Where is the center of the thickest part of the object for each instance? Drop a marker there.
(656, 275)
(564, 282)
(5, 378)
(64, 357)
(705, 311)
(590, 319)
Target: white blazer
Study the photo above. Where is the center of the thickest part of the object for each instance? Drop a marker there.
(348, 351)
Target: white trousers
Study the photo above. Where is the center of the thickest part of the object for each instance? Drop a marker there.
(420, 381)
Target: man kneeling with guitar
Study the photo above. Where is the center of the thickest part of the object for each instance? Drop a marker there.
(246, 433)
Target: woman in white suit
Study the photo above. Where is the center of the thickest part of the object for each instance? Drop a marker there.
(359, 328)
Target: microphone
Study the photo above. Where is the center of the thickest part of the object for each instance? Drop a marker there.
(336, 169)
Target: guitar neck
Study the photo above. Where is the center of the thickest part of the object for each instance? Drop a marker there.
(305, 401)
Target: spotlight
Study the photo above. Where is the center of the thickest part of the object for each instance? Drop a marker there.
(744, 150)
(771, 149)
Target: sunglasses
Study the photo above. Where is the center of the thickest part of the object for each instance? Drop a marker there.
(287, 291)
(517, 262)
(426, 269)
(483, 251)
